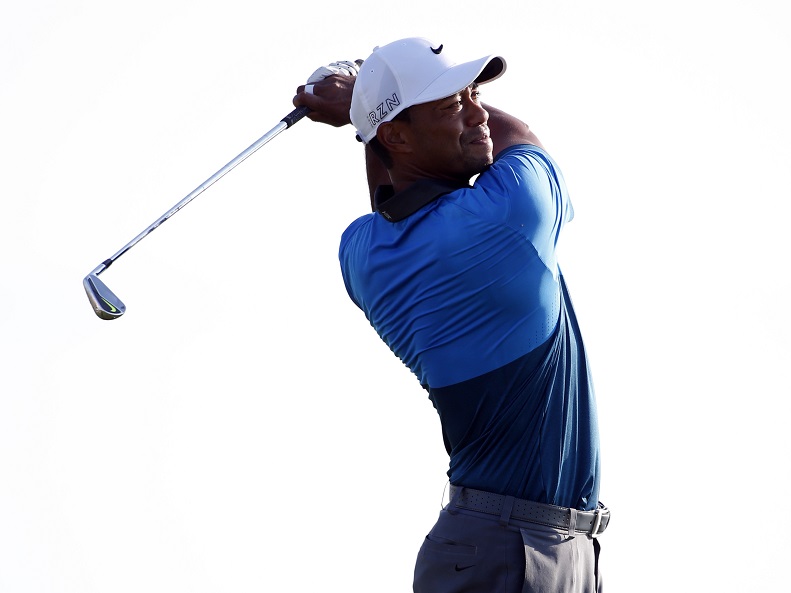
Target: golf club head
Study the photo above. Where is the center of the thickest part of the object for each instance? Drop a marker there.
(105, 304)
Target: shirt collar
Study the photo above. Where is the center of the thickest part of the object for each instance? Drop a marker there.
(397, 206)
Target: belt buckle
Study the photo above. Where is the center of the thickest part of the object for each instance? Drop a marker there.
(596, 522)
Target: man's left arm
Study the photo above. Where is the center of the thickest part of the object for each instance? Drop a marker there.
(329, 103)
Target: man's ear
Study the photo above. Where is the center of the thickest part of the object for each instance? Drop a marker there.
(391, 135)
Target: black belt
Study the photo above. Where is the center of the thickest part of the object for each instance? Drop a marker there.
(591, 522)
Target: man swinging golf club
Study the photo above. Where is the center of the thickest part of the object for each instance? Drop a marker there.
(462, 283)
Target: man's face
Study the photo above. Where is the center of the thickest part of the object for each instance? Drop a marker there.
(449, 138)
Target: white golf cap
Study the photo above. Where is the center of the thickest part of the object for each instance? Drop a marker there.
(410, 72)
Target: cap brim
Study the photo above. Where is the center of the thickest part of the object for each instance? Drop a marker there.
(461, 76)
(493, 70)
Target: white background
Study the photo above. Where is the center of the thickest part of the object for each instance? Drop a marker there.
(242, 428)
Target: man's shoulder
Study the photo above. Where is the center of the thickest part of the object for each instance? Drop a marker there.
(517, 163)
(355, 228)
(522, 150)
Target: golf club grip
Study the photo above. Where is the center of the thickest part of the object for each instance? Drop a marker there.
(295, 116)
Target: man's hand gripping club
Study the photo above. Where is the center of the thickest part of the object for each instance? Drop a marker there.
(328, 92)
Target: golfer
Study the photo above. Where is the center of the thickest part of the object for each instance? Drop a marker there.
(462, 282)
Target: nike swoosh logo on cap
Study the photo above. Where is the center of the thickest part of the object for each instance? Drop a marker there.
(438, 50)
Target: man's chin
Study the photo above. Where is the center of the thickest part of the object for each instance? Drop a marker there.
(484, 163)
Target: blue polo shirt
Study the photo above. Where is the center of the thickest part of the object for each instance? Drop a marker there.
(467, 292)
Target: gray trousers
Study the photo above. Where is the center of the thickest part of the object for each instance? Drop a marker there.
(472, 552)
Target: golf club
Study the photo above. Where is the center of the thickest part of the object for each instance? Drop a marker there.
(105, 303)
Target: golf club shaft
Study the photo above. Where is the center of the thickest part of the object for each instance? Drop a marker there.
(286, 122)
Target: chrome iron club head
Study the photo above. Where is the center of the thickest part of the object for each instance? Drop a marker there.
(104, 302)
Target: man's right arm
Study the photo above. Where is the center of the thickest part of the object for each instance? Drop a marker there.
(506, 130)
